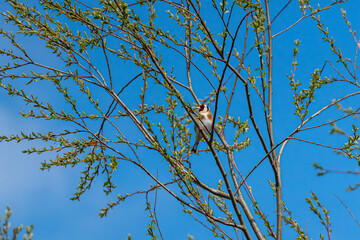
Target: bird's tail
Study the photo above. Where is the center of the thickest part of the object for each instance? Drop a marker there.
(194, 148)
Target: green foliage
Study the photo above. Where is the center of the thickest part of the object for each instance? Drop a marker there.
(5, 228)
(318, 209)
(151, 226)
(306, 96)
(152, 96)
(323, 214)
(350, 148)
(289, 220)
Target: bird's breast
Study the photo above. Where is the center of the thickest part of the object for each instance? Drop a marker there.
(207, 123)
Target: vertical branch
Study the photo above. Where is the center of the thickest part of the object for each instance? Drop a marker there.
(276, 162)
(236, 77)
(107, 61)
(187, 49)
(241, 199)
(227, 65)
(156, 220)
(143, 99)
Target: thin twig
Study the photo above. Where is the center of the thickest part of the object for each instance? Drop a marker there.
(347, 209)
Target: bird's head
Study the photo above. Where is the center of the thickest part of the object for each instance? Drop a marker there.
(203, 108)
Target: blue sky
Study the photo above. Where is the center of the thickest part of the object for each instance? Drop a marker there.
(41, 198)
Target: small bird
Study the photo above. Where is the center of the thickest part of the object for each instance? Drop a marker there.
(207, 119)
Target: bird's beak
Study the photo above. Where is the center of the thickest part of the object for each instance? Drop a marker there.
(197, 107)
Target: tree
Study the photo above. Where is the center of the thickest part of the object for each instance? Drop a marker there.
(132, 74)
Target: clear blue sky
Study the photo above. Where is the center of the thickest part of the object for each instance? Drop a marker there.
(41, 198)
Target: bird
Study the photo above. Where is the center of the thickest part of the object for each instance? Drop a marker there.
(206, 119)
